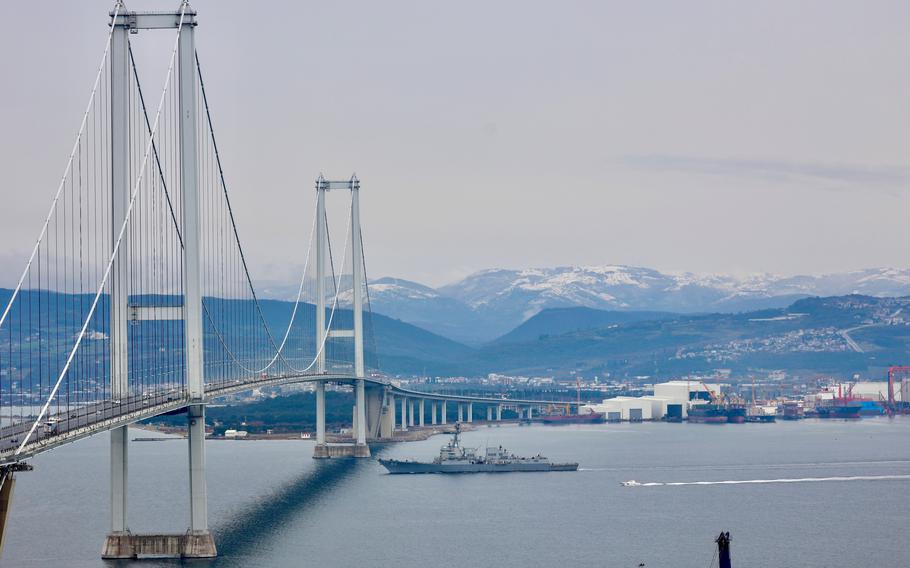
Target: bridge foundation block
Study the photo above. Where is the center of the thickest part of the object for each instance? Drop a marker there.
(188, 545)
(341, 451)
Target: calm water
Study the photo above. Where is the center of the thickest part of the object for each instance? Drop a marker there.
(270, 504)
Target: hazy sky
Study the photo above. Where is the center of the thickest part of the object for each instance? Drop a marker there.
(702, 136)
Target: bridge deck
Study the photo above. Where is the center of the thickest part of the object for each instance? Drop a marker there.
(59, 429)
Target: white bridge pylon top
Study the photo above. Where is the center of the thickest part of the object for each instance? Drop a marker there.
(323, 184)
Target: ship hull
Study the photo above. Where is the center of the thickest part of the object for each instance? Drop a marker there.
(590, 418)
(847, 412)
(761, 418)
(707, 419)
(411, 467)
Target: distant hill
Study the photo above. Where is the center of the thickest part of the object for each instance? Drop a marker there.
(427, 308)
(559, 321)
(396, 346)
(839, 335)
(490, 303)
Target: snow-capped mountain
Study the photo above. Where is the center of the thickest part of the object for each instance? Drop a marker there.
(509, 297)
(425, 307)
(490, 303)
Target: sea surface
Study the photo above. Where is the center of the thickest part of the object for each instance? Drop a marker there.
(816, 494)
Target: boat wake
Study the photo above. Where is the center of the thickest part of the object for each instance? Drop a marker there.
(761, 481)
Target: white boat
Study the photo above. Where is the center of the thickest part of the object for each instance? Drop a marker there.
(630, 483)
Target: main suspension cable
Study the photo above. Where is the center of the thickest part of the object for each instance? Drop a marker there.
(119, 240)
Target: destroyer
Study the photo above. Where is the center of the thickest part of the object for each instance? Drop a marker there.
(455, 459)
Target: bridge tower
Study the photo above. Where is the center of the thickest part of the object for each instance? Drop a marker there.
(360, 416)
(197, 542)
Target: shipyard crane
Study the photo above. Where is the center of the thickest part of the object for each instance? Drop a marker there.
(891, 406)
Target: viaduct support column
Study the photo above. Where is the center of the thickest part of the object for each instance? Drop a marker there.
(387, 423)
(443, 415)
(411, 412)
(404, 414)
(489, 413)
(498, 412)
(433, 413)
(420, 406)
(470, 412)
(460, 412)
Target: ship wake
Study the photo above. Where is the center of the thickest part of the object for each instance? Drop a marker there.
(780, 480)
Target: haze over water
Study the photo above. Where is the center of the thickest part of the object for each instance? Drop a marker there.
(270, 504)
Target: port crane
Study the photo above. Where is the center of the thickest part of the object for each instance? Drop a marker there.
(891, 405)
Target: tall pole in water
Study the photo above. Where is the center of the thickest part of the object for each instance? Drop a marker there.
(120, 198)
(358, 283)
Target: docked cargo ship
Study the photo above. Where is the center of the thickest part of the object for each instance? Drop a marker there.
(849, 410)
(589, 418)
(793, 410)
(453, 458)
(707, 414)
(736, 414)
(761, 413)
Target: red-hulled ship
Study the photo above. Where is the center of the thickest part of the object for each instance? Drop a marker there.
(707, 414)
(569, 418)
(589, 418)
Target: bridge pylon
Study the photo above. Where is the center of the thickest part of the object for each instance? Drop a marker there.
(360, 415)
(197, 542)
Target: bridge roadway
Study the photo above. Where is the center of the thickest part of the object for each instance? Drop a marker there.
(59, 429)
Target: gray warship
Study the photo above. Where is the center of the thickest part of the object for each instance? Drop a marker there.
(453, 458)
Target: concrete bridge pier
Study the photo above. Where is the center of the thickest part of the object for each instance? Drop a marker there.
(375, 396)
(387, 426)
(443, 415)
(470, 412)
(201, 545)
(361, 449)
(7, 484)
(404, 414)
(460, 412)
(320, 451)
(411, 412)
(433, 413)
(489, 413)
(420, 412)
(498, 412)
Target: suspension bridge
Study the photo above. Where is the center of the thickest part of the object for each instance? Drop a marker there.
(137, 300)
